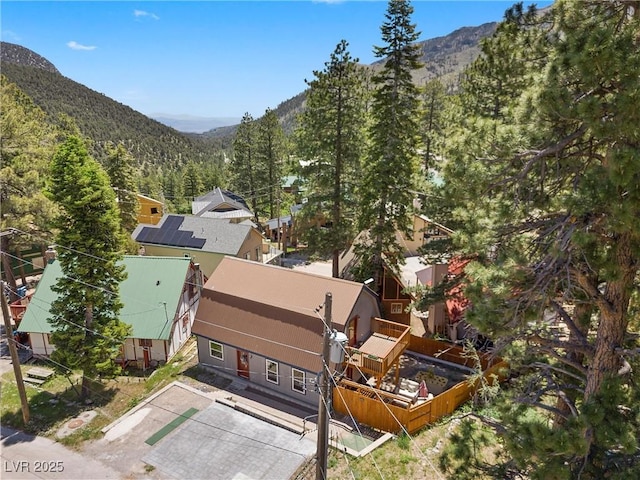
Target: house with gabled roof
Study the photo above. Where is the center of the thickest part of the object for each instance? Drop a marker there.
(205, 240)
(396, 296)
(160, 296)
(221, 203)
(150, 210)
(264, 324)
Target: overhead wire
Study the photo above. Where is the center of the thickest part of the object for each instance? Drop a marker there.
(306, 351)
(103, 289)
(180, 415)
(402, 427)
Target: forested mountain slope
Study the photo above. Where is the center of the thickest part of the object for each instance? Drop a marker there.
(444, 58)
(100, 118)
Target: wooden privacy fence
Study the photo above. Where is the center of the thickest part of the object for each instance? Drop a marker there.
(449, 352)
(391, 413)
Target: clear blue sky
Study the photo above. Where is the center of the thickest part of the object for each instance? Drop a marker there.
(213, 58)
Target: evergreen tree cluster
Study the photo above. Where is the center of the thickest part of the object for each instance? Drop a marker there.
(542, 179)
(258, 164)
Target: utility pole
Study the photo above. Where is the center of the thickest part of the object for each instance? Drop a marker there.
(325, 396)
(14, 356)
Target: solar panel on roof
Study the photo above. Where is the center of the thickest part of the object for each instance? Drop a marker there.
(169, 233)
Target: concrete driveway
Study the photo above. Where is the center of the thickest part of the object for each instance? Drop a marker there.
(217, 442)
(222, 443)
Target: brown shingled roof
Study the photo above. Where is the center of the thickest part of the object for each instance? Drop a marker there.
(270, 310)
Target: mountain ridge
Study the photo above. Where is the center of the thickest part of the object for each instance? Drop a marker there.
(445, 57)
(153, 141)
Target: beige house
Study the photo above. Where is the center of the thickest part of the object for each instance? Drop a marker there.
(149, 210)
(205, 240)
(424, 230)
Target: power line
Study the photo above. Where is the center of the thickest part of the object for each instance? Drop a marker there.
(180, 415)
(104, 290)
(404, 430)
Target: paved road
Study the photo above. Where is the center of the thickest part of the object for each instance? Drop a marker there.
(25, 456)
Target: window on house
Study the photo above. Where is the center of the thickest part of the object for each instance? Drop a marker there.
(154, 210)
(216, 350)
(145, 342)
(272, 371)
(298, 381)
(185, 322)
(257, 254)
(247, 256)
(396, 308)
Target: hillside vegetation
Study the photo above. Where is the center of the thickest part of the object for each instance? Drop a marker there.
(153, 144)
(104, 120)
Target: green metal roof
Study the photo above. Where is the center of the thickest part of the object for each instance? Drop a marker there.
(150, 296)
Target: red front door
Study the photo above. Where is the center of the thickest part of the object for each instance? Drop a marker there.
(145, 353)
(243, 363)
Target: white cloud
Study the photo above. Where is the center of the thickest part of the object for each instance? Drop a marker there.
(142, 13)
(10, 35)
(77, 46)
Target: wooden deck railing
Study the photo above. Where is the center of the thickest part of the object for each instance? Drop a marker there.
(392, 413)
(390, 329)
(448, 352)
(378, 366)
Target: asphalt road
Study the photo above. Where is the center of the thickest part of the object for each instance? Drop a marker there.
(25, 456)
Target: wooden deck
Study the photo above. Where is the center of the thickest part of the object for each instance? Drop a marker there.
(381, 350)
(392, 412)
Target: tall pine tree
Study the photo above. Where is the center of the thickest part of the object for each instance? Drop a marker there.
(331, 137)
(547, 176)
(432, 125)
(120, 168)
(392, 158)
(87, 331)
(247, 176)
(271, 150)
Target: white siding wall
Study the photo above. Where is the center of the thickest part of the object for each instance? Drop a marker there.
(40, 344)
(129, 350)
(134, 352)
